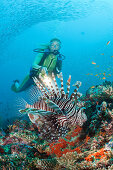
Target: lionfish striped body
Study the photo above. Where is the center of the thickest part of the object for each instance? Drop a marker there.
(55, 111)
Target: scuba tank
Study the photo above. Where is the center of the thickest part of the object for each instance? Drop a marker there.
(45, 52)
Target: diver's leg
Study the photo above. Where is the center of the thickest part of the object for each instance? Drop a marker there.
(27, 82)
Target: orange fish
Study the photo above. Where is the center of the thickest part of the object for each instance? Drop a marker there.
(92, 87)
(112, 56)
(104, 74)
(109, 74)
(93, 62)
(69, 80)
(96, 75)
(14, 126)
(103, 78)
(102, 54)
(108, 42)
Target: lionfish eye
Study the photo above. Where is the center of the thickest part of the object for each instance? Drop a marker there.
(22, 111)
(34, 109)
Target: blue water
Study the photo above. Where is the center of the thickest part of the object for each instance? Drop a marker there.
(83, 26)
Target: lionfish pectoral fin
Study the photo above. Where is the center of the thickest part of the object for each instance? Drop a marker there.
(54, 106)
(24, 111)
(43, 112)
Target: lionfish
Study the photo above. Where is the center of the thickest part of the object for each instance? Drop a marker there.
(55, 111)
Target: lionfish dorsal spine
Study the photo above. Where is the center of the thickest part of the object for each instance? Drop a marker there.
(68, 86)
(56, 86)
(41, 87)
(47, 89)
(75, 95)
(28, 105)
(52, 88)
(62, 86)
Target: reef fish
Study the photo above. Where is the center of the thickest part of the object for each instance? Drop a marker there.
(108, 42)
(93, 62)
(55, 112)
(92, 87)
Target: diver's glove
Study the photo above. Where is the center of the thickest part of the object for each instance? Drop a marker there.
(36, 67)
(57, 70)
(34, 71)
(43, 72)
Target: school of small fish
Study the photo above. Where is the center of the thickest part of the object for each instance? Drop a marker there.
(102, 75)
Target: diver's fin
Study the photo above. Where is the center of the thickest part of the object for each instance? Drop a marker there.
(15, 87)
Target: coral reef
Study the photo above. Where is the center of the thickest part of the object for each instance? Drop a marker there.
(82, 148)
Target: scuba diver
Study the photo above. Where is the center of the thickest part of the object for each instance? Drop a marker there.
(48, 60)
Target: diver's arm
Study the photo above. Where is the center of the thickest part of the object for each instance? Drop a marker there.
(37, 61)
(59, 67)
(36, 68)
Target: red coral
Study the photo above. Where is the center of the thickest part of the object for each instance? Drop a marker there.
(60, 147)
(98, 155)
(78, 129)
(65, 151)
(87, 138)
(68, 137)
(56, 149)
(77, 150)
(72, 143)
(2, 150)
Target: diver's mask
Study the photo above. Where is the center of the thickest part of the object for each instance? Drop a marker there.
(54, 46)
